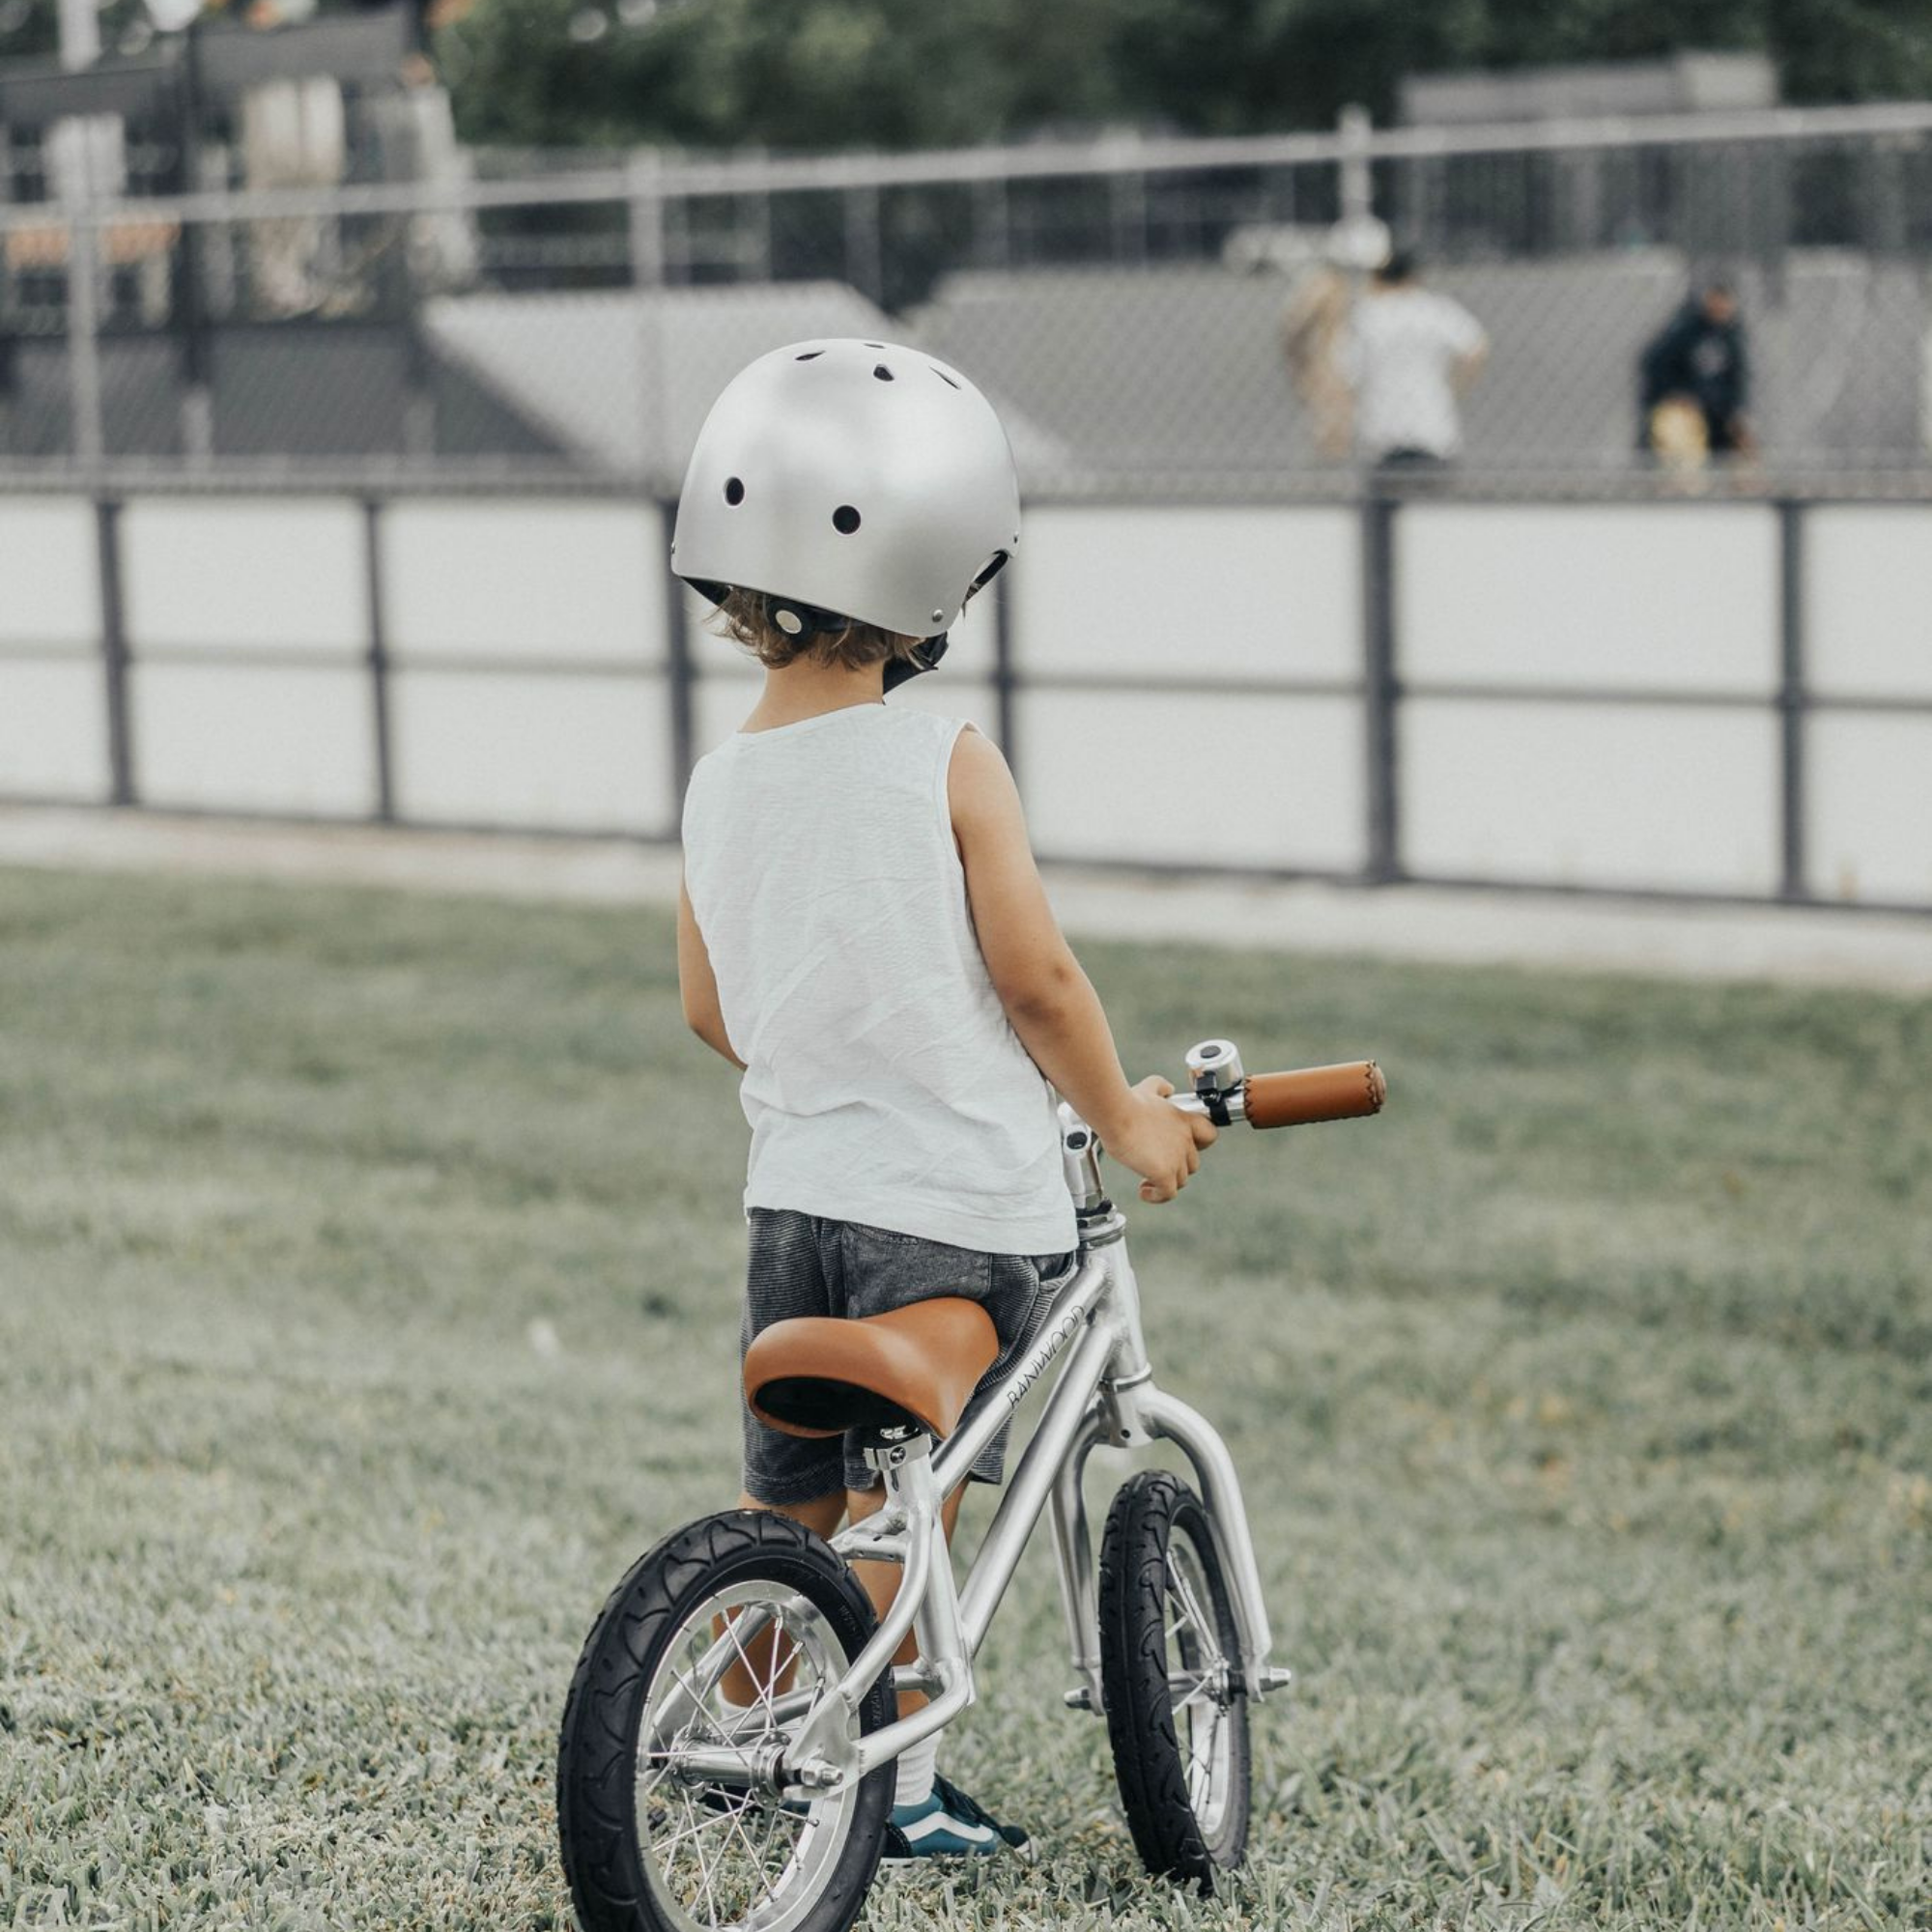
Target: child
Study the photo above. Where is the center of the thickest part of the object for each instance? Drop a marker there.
(862, 929)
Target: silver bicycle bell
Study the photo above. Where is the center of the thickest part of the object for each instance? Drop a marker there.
(1215, 1067)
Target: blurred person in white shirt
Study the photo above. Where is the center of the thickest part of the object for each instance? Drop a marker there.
(1409, 356)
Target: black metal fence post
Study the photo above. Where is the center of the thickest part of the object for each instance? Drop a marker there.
(1791, 700)
(1006, 689)
(1380, 691)
(682, 672)
(114, 651)
(379, 661)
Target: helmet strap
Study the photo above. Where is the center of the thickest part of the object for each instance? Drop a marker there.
(924, 658)
(800, 621)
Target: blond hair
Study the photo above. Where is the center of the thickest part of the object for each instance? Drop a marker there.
(745, 616)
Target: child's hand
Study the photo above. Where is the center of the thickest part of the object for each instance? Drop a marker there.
(1158, 1142)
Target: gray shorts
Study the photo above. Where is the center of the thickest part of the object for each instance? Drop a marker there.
(804, 1264)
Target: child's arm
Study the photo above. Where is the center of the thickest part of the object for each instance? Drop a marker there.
(1049, 1000)
(698, 985)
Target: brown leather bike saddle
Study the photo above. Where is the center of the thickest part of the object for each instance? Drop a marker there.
(818, 1375)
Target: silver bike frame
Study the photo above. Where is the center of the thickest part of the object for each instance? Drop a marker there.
(1105, 1394)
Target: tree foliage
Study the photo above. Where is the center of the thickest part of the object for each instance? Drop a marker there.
(904, 74)
(909, 73)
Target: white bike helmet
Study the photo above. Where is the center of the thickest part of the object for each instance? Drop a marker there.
(850, 482)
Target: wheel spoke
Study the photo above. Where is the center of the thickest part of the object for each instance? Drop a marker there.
(1203, 1687)
(744, 1837)
(668, 1757)
(699, 1713)
(779, 1816)
(1184, 1586)
(761, 1691)
(718, 1734)
(704, 1878)
(718, 1656)
(706, 1823)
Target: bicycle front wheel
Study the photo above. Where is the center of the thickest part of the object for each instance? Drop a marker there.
(1171, 1675)
(717, 1644)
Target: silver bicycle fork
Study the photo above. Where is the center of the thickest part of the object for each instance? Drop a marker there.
(1129, 1411)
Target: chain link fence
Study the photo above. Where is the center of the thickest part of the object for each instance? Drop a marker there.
(1151, 317)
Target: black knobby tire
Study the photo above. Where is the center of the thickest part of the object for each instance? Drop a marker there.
(1184, 1778)
(597, 1770)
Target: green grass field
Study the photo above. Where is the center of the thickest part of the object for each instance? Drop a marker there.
(1582, 1402)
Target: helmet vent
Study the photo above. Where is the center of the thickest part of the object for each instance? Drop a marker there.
(734, 491)
(875, 345)
(996, 563)
(880, 370)
(945, 378)
(845, 519)
(810, 355)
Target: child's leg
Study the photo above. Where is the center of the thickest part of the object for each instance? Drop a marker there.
(822, 1515)
(785, 1278)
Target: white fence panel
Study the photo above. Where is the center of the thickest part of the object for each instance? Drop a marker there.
(532, 580)
(1113, 776)
(976, 702)
(1870, 808)
(221, 573)
(53, 729)
(719, 705)
(576, 753)
(723, 703)
(1194, 593)
(1869, 600)
(283, 739)
(49, 572)
(508, 622)
(1643, 797)
(1662, 597)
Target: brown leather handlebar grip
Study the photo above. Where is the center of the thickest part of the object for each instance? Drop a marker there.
(1342, 1093)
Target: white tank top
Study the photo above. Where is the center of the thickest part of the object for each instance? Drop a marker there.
(883, 1081)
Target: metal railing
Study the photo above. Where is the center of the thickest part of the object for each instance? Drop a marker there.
(1154, 316)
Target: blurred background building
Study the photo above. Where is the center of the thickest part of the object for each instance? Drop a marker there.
(335, 449)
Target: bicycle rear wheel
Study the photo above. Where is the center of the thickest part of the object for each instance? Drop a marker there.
(1171, 1676)
(750, 1601)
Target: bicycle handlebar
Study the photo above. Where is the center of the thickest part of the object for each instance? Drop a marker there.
(1340, 1093)
(1222, 1091)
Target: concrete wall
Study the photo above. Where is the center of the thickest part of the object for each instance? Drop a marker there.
(1589, 694)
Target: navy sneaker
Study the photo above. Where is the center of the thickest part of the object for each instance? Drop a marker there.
(949, 1823)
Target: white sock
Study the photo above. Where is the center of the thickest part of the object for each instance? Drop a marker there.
(916, 1766)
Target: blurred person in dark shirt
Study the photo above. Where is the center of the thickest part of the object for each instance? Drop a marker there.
(1699, 360)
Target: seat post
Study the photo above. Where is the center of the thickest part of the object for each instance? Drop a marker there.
(888, 1450)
